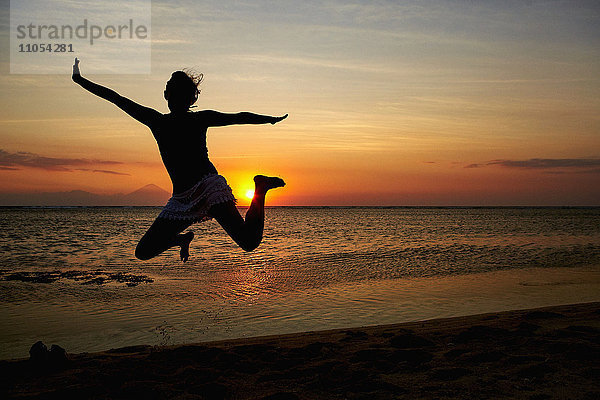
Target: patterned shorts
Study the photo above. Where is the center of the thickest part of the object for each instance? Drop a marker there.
(194, 204)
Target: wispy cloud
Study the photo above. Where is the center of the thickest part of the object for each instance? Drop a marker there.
(549, 163)
(475, 165)
(102, 171)
(21, 159)
(552, 165)
(588, 171)
(309, 61)
(156, 41)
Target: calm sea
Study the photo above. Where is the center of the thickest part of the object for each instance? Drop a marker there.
(68, 275)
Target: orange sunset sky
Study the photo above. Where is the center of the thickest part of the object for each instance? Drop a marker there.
(389, 102)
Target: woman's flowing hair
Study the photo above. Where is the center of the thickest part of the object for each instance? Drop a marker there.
(185, 83)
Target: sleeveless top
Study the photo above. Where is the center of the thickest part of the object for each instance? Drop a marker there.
(181, 140)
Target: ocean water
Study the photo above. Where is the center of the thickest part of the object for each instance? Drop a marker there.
(68, 275)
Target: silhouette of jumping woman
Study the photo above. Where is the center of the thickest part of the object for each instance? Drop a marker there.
(199, 192)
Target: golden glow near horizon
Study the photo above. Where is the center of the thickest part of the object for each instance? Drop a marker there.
(390, 103)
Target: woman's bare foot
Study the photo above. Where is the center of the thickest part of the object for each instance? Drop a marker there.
(185, 238)
(263, 183)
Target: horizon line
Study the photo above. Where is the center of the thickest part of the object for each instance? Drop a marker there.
(317, 206)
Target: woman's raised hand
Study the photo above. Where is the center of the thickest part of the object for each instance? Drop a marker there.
(76, 67)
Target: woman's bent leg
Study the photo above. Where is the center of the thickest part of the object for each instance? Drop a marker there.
(162, 235)
(228, 216)
(247, 233)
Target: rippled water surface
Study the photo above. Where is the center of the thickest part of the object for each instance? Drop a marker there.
(68, 275)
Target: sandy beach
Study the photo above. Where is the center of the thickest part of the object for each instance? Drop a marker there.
(545, 353)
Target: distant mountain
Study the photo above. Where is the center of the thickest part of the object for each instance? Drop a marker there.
(149, 195)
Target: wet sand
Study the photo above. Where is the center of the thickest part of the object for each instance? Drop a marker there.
(546, 353)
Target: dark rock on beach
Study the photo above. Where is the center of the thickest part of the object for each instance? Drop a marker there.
(57, 355)
(42, 358)
(38, 352)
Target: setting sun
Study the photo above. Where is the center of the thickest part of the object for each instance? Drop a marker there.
(250, 194)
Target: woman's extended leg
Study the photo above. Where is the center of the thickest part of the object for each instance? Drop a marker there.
(162, 235)
(247, 233)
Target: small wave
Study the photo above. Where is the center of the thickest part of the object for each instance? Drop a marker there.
(556, 283)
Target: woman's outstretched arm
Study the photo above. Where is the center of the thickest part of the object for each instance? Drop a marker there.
(143, 114)
(215, 118)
